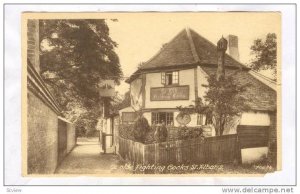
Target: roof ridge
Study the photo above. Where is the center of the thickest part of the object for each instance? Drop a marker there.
(163, 48)
(192, 44)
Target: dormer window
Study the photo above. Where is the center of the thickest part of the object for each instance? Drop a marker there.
(169, 78)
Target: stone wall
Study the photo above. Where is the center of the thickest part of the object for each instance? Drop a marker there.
(42, 137)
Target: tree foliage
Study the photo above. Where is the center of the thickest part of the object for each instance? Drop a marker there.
(75, 56)
(224, 101)
(80, 52)
(265, 54)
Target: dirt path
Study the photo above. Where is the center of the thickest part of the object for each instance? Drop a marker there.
(86, 158)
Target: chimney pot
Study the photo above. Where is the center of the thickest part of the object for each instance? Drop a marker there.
(233, 47)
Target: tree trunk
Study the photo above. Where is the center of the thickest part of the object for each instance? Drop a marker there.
(222, 121)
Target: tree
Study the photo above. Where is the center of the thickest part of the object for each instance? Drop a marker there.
(75, 56)
(80, 52)
(265, 54)
(224, 96)
(224, 101)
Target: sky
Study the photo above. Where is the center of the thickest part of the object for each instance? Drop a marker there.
(141, 35)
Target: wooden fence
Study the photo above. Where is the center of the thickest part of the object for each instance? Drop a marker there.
(253, 136)
(214, 150)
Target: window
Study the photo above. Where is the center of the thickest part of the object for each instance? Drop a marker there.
(175, 77)
(209, 119)
(169, 118)
(169, 78)
(204, 119)
(155, 118)
(166, 117)
(201, 119)
(163, 78)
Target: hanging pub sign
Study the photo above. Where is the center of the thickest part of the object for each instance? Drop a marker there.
(183, 118)
(107, 88)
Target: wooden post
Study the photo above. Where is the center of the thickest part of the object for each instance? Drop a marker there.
(221, 48)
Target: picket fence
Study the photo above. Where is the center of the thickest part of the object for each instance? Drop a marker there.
(210, 150)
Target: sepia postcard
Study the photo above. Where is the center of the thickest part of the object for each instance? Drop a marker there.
(151, 94)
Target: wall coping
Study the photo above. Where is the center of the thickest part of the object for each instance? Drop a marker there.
(64, 119)
(36, 84)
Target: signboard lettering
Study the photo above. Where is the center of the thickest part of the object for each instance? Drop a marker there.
(169, 93)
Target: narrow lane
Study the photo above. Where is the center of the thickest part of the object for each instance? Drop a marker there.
(86, 158)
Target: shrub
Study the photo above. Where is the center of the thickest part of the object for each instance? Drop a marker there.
(127, 131)
(140, 129)
(189, 133)
(92, 133)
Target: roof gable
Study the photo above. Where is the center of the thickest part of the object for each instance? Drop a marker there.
(187, 48)
(176, 52)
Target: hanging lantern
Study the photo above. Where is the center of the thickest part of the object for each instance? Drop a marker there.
(221, 49)
(222, 44)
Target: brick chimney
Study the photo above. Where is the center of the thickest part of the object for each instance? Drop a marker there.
(33, 43)
(233, 47)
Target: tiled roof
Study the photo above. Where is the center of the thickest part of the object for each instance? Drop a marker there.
(176, 52)
(187, 48)
(258, 95)
(207, 52)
